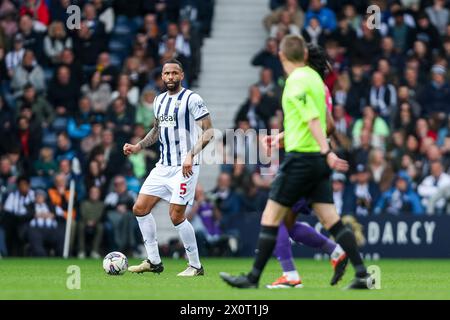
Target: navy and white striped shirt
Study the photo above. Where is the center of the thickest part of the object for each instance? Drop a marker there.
(177, 115)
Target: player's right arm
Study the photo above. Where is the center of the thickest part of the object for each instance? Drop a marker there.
(151, 137)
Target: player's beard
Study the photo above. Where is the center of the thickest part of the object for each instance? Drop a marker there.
(173, 86)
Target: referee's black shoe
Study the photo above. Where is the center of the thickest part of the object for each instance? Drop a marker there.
(366, 282)
(241, 281)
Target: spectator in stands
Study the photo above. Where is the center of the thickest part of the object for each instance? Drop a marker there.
(95, 177)
(439, 16)
(120, 120)
(14, 57)
(228, 204)
(257, 109)
(382, 96)
(136, 77)
(105, 14)
(338, 184)
(374, 124)
(45, 167)
(267, 86)
(59, 196)
(43, 232)
(368, 45)
(400, 199)
(43, 112)
(325, 16)
(112, 153)
(297, 16)
(400, 32)
(6, 123)
(64, 92)
(91, 214)
(127, 91)
(426, 32)
(18, 211)
(435, 96)
(362, 194)
(119, 205)
(206, 222)
(382, 171)
(56, 41)
(7, 179)
(28, 72)
(145, 114)
(344, 34)
(94, 139)
(79, 125)
(432, 183)
(313, 32)
(356, 97)
(29, 138)
(88, 44)
(32, 38)
(405, 119)
(76, 71)
(268, 58)
(98, 92)
(361, 153)
(285, 23)
(64, 149)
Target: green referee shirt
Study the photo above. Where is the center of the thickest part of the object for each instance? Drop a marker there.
(303, 100)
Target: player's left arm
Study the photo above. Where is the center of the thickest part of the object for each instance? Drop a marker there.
(208, 134)
(199, 111)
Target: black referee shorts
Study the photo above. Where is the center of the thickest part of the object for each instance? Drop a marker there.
(302, 175)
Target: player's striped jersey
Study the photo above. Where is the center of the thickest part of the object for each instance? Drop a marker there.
(177, 115)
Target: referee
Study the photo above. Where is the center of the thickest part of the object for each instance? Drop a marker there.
(306, 169)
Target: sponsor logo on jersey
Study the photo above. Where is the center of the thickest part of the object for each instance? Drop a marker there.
(167, 120)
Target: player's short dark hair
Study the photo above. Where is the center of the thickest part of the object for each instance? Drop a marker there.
(318, 59)
(293, 47)
(174, 61)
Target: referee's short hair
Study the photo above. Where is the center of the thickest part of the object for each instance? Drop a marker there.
(293, 47)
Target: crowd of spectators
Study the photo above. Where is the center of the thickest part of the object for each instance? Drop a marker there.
(69, 98)
(391, 104)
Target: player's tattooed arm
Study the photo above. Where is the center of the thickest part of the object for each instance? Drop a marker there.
(206, 137)
(151, 137)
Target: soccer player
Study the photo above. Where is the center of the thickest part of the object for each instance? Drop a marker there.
(179, 113)
(300, 232)
(305, 171)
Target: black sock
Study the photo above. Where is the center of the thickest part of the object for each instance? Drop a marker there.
(345, 237)
(266, 244)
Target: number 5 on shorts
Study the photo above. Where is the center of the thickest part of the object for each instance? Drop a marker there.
(183, 189)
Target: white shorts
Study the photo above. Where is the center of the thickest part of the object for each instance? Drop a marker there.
(168, 183)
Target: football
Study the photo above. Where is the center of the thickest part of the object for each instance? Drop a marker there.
(115, 263)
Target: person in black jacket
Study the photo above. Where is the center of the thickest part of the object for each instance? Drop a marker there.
(258, 109)
(268, 58)
(63, 92)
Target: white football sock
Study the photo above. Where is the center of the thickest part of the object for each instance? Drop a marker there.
(292, 275)
(337, 252)
(148, 230)
(187, 235)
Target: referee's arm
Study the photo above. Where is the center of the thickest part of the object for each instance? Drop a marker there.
(332, 159)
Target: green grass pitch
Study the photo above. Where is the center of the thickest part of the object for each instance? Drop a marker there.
(46, 279)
